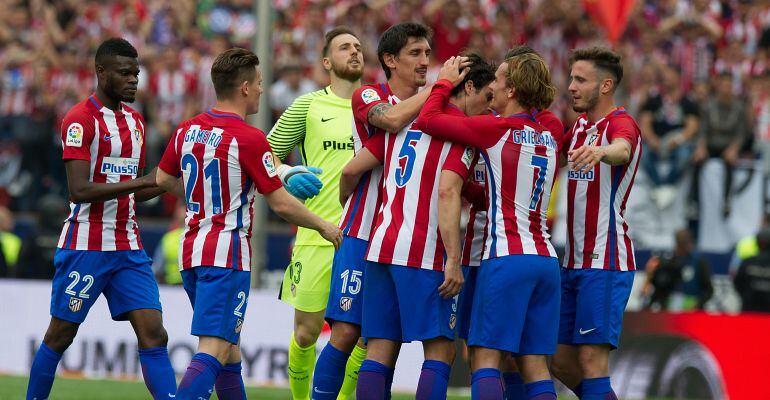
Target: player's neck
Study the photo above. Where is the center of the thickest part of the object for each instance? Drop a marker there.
(603, 107)
(513, 108)
(459, 103)
(231, 107)
(107, 101)
(401, 89)
(343, 88)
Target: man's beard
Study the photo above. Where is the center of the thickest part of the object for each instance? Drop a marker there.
(347, 73)
(590, 102)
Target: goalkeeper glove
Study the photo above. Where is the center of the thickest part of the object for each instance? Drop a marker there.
(300, 181)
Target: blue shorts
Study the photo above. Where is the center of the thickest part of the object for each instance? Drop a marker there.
(347, 284)
(125, 278)
(592, 305)
(402, 304)
(219, 297)
(516, 305)
(465, 301)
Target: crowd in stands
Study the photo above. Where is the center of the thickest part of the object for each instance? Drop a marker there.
(697, 72)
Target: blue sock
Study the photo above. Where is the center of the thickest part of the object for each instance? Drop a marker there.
(389, 382)
(229, 383)
(541, 390)
(597, 389)
(199, 379)
(434, 380)
(578, 390)
(486, 384)
(372, 381)
(43, 372)
(329, 373)
(157, 371)
(514, 386)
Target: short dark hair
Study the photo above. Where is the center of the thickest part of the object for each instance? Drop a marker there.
(114, 47)
(340, 30)
(519, 50)
(396, 37)
(481, 73)
(231, 68)
(602, 58)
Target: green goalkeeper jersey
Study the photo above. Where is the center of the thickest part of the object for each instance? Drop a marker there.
(321, 124)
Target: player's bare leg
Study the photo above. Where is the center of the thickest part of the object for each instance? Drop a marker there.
(565, 366)
(60, 334)
(346, 337)
(376, 373)
(594, 360)
(512, 380)
(486, 375)
(153, 354)
(148, 326)
(434, 378)
(229, 383)
(307, 326)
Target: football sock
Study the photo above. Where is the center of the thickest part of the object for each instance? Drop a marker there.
(372, 381)
(434, 379)
(486, 384)
(348, 389)
(329, 373)
(597, 389)
(514, 386)
(229, 384)
(388, 381)
(43, 372)
(541, 390)
(157, 372)
(300, 368)
(198, 381)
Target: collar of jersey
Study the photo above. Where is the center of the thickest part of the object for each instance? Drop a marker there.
(98, 104)
(223, 114)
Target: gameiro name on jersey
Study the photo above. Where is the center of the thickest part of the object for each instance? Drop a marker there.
(113, 144)
(222, 161)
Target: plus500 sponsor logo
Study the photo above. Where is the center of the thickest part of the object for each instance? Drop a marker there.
(120, 166)
(581, 176)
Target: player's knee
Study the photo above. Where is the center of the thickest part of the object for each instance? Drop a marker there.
(345, 336)
(593, 364)
(59, 337)
(306, 336)
(564, 369)
(155, 336)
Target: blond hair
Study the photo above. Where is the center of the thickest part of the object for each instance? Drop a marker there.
(529, 75)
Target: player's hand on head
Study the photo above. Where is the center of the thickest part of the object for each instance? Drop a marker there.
(332, 233)
(584, 158)
(300, 181)
(453, 70)
(453, 280)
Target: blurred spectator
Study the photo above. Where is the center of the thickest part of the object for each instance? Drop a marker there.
(681, 281)
(290, 86)
(752, 282)
(723, 130)
(165, 263)
(39, 245)
(669, 122)
(10, 244)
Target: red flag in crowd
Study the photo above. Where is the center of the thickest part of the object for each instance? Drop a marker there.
(611, 14)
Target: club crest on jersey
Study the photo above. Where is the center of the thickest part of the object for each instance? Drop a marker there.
(238, 325)
(452, 321)
(346, 303)
(269, 163)
(74, 135)
(369, 95)
(138, 136)
(75, 304)
(468, 157)
(592, 138)
(580, 175)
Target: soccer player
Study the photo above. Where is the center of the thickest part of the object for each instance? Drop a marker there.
(408, 293)
(519, 274)
(377, 108)
(319, 122)
(603, 148)
(222, 161)
(99, 251)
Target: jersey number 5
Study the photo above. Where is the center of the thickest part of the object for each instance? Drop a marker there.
(211, 174)
(406, 157)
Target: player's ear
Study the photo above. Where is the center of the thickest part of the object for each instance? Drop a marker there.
(470, 88)
(245, 88)
(327, 63)
(390, 60)
(607, 85)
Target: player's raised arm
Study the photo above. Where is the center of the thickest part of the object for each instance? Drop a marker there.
(294, 212)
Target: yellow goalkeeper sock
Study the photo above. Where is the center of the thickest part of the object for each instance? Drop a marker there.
(300, 368)
(348, 389)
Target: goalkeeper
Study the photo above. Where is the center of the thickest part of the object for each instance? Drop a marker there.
(320, 123)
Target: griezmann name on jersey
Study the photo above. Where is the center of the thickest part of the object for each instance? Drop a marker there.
(113, 144)
(223, 161)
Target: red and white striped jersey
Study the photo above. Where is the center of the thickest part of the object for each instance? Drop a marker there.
(362, 206)
(597, 233)
(475, 231)
(406, 231)
(222, 161)
(171, 90)
(16, 97)
(520, 155)
(113, 143)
